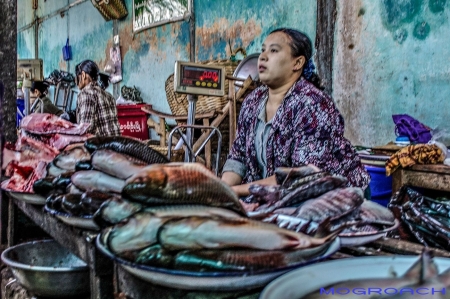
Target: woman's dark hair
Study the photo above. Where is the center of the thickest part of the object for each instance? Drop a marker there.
(39, 85)
(301, 45)
(103, 80)
(89, 67)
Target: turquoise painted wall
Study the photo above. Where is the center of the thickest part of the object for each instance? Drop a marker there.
(149, 56)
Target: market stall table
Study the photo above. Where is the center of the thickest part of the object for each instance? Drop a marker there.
(435, 177)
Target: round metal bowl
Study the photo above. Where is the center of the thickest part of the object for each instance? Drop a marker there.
(47, 269)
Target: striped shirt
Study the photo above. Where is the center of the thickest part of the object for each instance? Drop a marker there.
(98, 107)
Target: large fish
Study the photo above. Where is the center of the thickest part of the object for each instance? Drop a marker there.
(180, 183)
(114, 210)
(118, 165)
(237, 260)
(373, 212)
(195, 233)
(89, 180)
(424, 268)
(141, 229)
(68, 159)
(128, 146)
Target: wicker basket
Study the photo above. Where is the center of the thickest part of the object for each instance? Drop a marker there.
(176, 155)
(179, 104)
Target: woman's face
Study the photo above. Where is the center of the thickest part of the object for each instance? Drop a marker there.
(276, 65)
(81, 80)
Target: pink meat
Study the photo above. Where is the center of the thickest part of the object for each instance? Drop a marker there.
(45, 123)
(24, 175)
(32, 149)
(60, 141)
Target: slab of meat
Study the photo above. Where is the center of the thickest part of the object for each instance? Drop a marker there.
(45, 123)
(32, 149)
(24, 175)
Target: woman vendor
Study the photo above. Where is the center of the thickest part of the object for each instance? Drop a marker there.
(289, 121)
(41, 102)
(94, 104)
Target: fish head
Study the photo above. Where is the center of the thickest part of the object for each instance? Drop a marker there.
(152, 180)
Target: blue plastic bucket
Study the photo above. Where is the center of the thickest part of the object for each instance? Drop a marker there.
(380, 185)
(20, 109)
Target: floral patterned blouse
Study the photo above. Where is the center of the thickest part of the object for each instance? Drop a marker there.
(306, 129)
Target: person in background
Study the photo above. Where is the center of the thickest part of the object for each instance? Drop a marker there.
(289, 121)
(95, 105)
(41, 102)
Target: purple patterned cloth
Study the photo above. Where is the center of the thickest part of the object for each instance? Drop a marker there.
(307, 129)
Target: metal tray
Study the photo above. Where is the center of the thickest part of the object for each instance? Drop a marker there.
(300, 282)
(84, 222)
(30, 198)
(248, 66)
(206, 281)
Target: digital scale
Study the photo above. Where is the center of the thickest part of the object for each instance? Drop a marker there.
(196, 79)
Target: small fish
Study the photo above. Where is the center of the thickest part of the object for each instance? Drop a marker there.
(286, 175)
(180, 183)
(195, 233)
(334, 204)
(128, 146)
(118, 165)
(89, 180)
(374, 212)
(43, 186)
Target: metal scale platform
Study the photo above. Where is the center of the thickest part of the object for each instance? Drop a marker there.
(196, 79)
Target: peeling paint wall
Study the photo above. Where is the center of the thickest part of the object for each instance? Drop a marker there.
(148, 57)
(391, 57)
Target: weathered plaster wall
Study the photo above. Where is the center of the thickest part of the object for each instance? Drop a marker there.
(8, 38)
(149, 56)
(391, 57)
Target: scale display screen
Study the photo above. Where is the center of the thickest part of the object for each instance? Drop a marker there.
(196, 78)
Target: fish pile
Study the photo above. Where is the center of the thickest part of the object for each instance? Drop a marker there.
(307, 194)
(41, 138)
(84, 175)
(181, 216)
(423, 275)
(424, 219)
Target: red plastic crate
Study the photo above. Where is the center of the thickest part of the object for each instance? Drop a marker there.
(133, 121)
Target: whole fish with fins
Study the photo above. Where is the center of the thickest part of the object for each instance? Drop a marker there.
(128, 146)
(180, 183)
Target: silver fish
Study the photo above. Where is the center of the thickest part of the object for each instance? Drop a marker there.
(68, 159)
(89, 180)
(54, 171)
(118, 165)
(140, 230)
(199, 233)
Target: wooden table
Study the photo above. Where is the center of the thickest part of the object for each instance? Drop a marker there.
(435, 177)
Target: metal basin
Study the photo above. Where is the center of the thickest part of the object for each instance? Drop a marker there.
(47, 269)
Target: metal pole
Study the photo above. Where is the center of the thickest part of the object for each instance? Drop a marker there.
(26, 95)
(192, 99)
